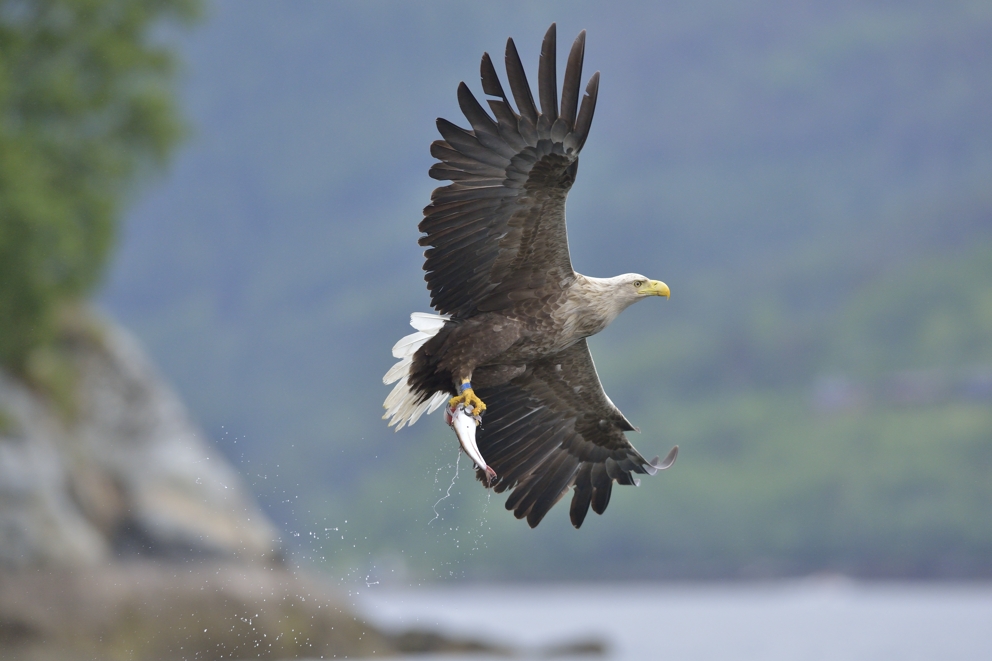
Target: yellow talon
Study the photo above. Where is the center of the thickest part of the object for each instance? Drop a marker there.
(468, 398)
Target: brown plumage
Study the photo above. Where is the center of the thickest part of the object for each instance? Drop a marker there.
(515, 313)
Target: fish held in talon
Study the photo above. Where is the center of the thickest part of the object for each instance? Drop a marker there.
(465, 423)
(512, 315)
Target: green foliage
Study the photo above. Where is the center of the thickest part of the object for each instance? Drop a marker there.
(85, 104)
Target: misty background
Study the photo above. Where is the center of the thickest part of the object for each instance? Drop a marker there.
(811, 179)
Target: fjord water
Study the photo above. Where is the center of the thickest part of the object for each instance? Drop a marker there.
(815, 619)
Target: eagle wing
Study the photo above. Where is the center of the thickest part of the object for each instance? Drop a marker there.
(496, 234)
(554, 427)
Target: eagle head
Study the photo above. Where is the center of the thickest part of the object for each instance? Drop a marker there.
(608, 297)
(627, 289)
(642, 286)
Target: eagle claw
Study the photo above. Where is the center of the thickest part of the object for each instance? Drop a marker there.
(470, 400)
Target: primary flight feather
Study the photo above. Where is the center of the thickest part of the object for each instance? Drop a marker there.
(509, 339)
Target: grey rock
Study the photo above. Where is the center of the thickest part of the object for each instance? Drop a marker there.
(129, 474)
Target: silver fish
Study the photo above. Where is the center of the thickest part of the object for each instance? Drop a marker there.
(465, 424)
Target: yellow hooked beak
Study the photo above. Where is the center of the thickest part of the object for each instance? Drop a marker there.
(655, 288)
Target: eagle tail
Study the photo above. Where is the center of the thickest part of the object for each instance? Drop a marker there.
(404, 405)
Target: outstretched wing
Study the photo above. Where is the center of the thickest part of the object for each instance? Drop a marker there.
(497, 232)
(553, 427)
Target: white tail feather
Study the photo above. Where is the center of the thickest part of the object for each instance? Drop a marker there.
(427, 322)
(402, 405)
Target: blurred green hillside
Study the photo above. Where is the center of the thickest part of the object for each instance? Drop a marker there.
(811, 179)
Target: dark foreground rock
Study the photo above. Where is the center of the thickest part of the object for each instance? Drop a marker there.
(587, 647)
(149, 612)
(424, 642)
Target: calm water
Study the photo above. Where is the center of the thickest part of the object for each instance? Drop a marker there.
(809, 620)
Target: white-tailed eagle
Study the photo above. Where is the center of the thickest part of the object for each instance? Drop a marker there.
(509, 338)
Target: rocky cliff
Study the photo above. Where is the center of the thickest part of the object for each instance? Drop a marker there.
(125, 536)
(123, 472)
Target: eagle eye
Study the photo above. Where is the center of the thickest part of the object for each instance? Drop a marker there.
(638, 283)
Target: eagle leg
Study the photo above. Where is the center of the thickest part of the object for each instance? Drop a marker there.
(469, 399)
